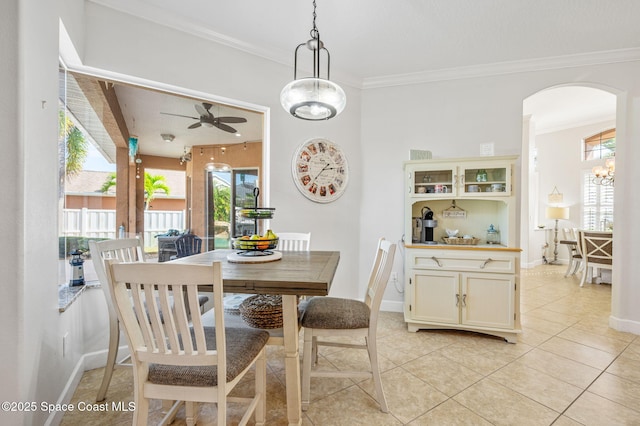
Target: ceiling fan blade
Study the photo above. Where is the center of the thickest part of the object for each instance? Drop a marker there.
(203, 112)
(224, 127)
(195, 125)
(231, 119)
(180, 115)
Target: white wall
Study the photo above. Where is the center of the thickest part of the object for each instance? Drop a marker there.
(560, 164)
(31, 366)
(452, 119)
(379, 126)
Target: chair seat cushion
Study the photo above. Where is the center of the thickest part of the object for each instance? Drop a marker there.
(243, 344)
(335, 313)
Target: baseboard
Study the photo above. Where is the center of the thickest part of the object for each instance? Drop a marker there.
(392, 306)
(624, 325)
(67, 393)
(86, 362)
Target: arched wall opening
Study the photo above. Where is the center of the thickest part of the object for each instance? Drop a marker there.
(556, 120)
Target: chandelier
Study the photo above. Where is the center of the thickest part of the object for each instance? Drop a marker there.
(605, 175)
(313, 98)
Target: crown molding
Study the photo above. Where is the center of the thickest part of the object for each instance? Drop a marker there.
(501, 68)
(159, 16)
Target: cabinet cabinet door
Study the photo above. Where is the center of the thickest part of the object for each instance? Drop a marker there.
(488, 300)
(435, 297)
(436, 182)
(485, 180)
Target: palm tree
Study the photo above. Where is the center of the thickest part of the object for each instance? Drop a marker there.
(72, 147)
(152, 185)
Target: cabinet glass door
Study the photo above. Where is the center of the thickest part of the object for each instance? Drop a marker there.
(433, 182)
(480, 180)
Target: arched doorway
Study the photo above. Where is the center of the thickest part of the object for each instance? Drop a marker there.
(556, 121)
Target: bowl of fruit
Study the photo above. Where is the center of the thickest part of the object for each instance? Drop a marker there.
(256, 244)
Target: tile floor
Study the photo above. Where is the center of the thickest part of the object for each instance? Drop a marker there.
(568, 368)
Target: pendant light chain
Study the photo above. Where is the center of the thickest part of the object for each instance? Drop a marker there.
(314, 31)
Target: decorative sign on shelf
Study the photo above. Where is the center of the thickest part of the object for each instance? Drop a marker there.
(454, 212)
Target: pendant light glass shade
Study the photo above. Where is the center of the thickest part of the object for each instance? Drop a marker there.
(313, 99)
(217, 167)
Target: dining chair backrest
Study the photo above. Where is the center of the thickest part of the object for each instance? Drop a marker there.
(172, 352)
(124, 250)
(598, 248)
(294, 241)
(188, 245)
(379, 276)
(569, 234)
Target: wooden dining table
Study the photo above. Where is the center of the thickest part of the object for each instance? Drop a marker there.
(297, 273)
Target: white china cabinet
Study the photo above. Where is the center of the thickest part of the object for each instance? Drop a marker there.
(462, 282)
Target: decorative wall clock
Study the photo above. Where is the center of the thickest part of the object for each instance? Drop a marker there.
(320, 170)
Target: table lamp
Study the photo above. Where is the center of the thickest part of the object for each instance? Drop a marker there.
(557, 213)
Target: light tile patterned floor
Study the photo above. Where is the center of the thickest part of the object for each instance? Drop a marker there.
(568, 368)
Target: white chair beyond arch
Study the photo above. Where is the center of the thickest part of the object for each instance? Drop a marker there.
(294, 241)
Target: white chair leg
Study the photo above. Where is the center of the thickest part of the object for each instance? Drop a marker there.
(261, 388)
(114, 340)
(191, 413)
(375, 370)
(586, 272)
(307, 360)
(141, 413)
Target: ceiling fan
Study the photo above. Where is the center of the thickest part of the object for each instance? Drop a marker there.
(207, 119)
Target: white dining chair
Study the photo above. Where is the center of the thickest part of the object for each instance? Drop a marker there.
(330, 317)
(294, 241)
(174, 356)
(597, 252)
(125, 250)
(570, 240)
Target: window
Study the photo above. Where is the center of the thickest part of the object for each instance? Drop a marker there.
(84, 210)
(597, 201)
(600, 146)
(597, 205)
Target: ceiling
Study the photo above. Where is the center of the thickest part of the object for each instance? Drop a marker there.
(378, 42)
(144, 109)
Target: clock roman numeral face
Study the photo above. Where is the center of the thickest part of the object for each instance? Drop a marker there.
(320, 170)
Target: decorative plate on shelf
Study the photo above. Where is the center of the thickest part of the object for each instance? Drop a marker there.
(320, 170)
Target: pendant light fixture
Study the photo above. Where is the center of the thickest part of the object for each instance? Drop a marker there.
(214, 166)
(313, 98)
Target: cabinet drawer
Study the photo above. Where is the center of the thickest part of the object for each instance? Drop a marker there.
(485, 262)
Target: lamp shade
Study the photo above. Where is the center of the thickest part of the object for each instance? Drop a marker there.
(558, 213)
(313, 99)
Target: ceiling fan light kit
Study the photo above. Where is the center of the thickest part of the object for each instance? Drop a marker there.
(313, 98)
